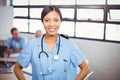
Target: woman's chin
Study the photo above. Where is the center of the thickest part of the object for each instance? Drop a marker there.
(52, 33)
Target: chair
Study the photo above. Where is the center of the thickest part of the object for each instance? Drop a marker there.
(89, 75)
(2, 50)
(4, 66)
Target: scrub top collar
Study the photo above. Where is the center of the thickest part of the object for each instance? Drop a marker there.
(57, 42)
(45, 47)
(17, 39)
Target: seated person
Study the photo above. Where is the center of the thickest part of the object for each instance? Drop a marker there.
(15, 43)
(38, 33)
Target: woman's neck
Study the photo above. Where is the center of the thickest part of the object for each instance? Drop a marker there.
(50, 40)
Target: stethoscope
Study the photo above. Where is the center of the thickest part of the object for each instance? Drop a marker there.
(55, 57)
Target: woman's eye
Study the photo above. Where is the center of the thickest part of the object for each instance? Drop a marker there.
(56, 20)
(46, 20)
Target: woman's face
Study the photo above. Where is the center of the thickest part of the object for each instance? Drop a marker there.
(52, 22)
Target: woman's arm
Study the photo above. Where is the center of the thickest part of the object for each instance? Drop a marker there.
(84, 71)
(18, 71)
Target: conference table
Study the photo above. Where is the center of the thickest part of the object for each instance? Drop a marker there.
(10, 75)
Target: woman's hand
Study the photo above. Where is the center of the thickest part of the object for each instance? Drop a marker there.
(84, 71)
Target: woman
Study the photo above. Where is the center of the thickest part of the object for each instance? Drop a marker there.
(52, 56)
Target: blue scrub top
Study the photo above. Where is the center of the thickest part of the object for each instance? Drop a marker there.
(70, 57)
(16, 44)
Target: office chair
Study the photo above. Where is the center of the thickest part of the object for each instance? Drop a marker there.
(89, 75)
(2, 50)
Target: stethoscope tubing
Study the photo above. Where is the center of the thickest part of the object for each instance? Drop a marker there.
(42, 50)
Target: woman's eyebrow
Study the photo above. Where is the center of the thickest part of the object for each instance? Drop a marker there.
(53, 18)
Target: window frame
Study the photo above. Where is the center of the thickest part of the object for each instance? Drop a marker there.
(105, 21)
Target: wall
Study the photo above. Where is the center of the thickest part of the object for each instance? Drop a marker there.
(2, 2)
(103, 58)
(6, 21)
(29, 36)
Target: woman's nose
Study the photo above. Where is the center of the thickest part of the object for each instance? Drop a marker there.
(52, 23)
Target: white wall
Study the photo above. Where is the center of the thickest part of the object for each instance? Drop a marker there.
(103, 58)
(6, 21)
(29, 36)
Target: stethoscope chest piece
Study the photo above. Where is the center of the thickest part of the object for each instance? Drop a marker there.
(56, 57)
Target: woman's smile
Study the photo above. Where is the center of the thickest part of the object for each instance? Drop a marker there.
(52, 29)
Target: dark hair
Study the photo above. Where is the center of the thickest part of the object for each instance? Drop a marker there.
(13, 29)
(48, 9)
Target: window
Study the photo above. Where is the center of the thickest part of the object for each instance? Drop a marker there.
(114, 15)
(67, 28)
(36, 25)
(115, 2)
(19, 12)
(67, 13)
(35, 12)
(93, 14)
(113, 32)
(62, 2)
(39, 2)
(21, 24)
(90, 2)
(81, 18)
(90, 30)
(20, 2)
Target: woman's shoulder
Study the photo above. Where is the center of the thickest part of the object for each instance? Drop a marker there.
(65, 41)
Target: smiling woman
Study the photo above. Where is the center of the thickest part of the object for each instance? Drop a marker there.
(52, 56)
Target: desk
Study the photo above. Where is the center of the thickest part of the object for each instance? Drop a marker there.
(8, 76)
(10, 59)
(7, 64)
(11, 76)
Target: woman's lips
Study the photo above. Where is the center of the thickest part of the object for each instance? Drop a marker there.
(51, 29)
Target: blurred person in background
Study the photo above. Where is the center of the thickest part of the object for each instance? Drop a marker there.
(15, 43)
(38, 33)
